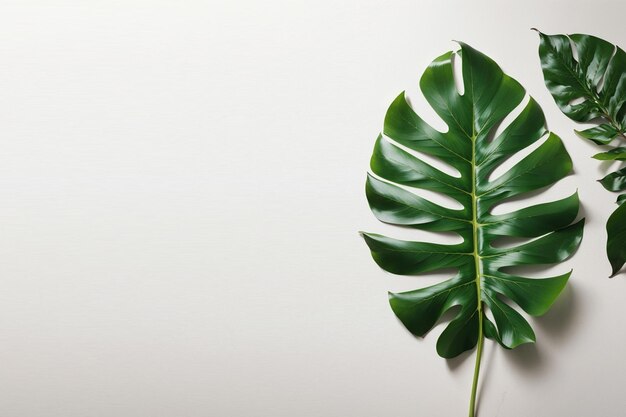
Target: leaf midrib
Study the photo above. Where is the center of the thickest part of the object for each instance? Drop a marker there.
(475, 222)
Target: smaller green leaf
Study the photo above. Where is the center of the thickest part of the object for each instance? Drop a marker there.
(615, 181)
(617, 154)
(621, 199)
(616, 229)
(602, 134)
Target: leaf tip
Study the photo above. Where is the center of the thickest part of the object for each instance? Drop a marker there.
(363, 235)
(461, 43)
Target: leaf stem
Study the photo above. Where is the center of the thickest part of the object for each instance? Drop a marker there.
(479, 353)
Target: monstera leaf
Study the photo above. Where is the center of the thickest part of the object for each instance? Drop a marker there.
(482, 282)
(587, 78)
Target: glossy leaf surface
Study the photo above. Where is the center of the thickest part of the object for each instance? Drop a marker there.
(589, 86)
(615, 181)
(616, 154)
(586, 76)
(616, 230)
(482, 281)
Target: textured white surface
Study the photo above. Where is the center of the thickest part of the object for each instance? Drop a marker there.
(182, 185)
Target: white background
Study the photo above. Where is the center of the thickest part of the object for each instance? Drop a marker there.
(181, 188)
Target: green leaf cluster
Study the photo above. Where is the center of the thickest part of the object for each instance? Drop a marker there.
(586, 76)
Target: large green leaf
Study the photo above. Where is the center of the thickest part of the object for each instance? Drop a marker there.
(483, 281)
(586, 76)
